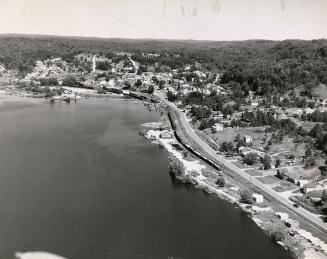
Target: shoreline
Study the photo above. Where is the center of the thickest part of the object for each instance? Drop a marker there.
(300, 243)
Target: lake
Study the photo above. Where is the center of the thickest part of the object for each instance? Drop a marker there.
(77, 180)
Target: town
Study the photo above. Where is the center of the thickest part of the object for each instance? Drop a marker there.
(275, 135)
(280, 141)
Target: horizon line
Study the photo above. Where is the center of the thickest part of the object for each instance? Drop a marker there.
(148, 39)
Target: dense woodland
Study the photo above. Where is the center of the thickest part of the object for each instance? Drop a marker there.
(266, 67)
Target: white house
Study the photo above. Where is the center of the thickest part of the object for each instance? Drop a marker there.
(248, 139)
(257, 197)
(218, 127)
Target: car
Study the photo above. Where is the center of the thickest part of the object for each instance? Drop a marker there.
(296, 205)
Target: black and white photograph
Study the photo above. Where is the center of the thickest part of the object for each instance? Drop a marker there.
(163, 129)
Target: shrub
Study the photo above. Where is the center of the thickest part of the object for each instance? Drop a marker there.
(221, 181)
(250, 158)
(176, 168)
(70, 81)
(101, 91)
(226, 146)
(246, 197)
(277, 236)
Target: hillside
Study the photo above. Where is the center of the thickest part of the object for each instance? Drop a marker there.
(259, 65)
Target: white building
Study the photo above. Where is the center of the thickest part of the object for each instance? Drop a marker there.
(218, 127)
(258, 198)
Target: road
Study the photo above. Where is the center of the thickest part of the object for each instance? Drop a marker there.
(135, 64)
(210, 153)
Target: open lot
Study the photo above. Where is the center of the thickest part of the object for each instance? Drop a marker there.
(253, 172)
(284, 186)
(229, 134)
(269, 179)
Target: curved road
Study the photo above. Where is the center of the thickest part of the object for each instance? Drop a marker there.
(207, 150)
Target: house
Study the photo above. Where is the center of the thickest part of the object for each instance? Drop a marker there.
(258, 198)
(218, 127)
(308, 110)
(248, 139)
(291, 223)
(217, 114)
(166, 135)
(255, 102)
(296, 113)
(281, 215)
(309, 187)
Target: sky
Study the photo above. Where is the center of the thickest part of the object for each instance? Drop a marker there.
(168, 19)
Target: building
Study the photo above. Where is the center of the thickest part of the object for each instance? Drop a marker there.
(166, 135)
(254, 102)
(218, 127)
(310, 187)
(258, 198)
(308, 110)
(217, 114)
(248, 139)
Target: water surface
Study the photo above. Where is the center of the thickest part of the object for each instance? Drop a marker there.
(77, 180)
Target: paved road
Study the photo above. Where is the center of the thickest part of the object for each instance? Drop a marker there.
(207, 150)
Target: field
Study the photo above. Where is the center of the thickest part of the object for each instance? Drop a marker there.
(320, 91)
(229, 134)
(269, 179)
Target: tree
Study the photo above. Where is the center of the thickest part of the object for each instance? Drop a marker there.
(308, 88)
(310, 161)
(277, 163)
(171, 97)
(70, 81)
(162, 84)
(48, 81)
(103, 65)
(241, 143)
(127, 85)
(138, 83)
(266, 160)
(221, 181)
(142, 69)
(226, 146)
(246, 197)
(308, 152)
(176, 168)
(151, 89)
(238, 138)
(250, 158)
(277, 236)
(155, 80)
(206, 123)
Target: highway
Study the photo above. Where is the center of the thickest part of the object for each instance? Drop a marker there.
(210, 153)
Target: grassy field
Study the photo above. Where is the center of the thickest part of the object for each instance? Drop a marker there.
(229, 134)
(269, 179)
(320, 91)
(253, 172)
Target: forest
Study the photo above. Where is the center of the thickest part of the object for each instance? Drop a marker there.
(265, 67)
